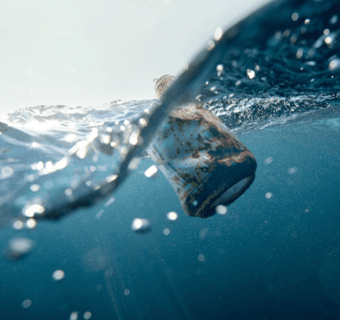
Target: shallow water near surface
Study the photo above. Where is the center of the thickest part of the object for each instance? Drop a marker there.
(276, 249)
(273, 255)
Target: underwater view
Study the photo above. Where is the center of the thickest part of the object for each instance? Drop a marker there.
(219, 199)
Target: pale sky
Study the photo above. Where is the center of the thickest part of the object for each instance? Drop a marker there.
(82, 52)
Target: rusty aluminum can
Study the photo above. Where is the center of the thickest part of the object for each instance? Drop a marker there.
(205, 163)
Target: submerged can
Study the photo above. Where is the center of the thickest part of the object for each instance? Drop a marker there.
(205, 163)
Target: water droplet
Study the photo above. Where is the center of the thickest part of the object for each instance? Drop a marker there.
(26, 303)
(172, 216)
(58, 275)
(151, 171)
(268, 195)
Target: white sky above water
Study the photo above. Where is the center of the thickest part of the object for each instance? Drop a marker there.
(82, 52)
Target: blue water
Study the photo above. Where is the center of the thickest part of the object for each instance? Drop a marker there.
(273, 255)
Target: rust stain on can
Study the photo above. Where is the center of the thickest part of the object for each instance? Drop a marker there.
(204, 162)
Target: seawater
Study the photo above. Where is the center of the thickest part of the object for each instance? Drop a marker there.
(273, 255)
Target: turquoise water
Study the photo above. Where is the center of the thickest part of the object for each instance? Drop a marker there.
(273, 255)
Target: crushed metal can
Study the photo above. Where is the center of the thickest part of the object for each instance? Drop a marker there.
(205, 163)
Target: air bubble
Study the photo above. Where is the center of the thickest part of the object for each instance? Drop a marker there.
(31, 223)
(26, 303)
(334, 64)
(18, 247)
(35, 188)
(18, 225)
(73, 315)
(87, 315)
(151, 171)
(166, 231)
(221, 209)
(200, 257)
(172, 216)
(7, 171)
(268, 160)
(295, 16)
(58, 275)
(141, 225)
(211, 45)
(268, 195)
(292, 170)
(299, 53)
